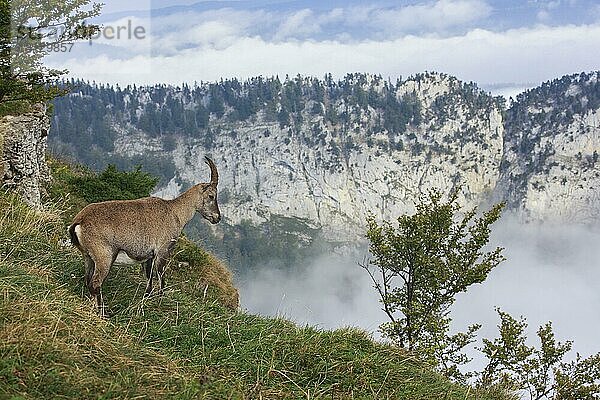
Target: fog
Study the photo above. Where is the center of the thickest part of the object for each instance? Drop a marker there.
(331, 291)
(552, 273)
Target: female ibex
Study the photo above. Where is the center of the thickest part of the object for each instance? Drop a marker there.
(144, 229)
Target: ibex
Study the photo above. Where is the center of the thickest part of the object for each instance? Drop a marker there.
(144, 229)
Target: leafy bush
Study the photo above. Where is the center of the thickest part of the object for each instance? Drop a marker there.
(539, 373)
(113, 184)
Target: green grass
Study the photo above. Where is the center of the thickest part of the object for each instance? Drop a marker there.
(189, 343)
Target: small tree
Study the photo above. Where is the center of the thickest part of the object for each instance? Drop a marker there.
(539, 373)
(420, 265)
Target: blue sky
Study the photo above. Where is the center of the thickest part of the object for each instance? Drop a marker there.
(503, 45)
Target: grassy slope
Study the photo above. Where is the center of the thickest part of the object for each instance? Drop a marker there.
(186, 344)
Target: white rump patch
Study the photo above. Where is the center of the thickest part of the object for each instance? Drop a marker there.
(78, 232)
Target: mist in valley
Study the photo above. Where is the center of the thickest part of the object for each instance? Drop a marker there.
(552, 273)
(329, 291)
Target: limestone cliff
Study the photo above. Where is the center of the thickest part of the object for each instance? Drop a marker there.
(332, 175)
(550, 167)
(327, 153)
(23, 142)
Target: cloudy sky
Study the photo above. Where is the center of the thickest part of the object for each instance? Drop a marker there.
(501, 45)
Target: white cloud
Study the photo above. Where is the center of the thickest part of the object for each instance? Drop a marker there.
(437, 16)
(330, 292)
(214, 28)
(215, 34)
(299, 24)
(550, 274)
(355, 22)
(379, 22)
(543, 15)
(523, 55)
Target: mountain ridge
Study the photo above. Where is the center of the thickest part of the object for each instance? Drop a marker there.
(341, 149)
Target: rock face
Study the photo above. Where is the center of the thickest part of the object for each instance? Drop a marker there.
(331, 176)
(550, 167)
(23, 143)
(328, 153)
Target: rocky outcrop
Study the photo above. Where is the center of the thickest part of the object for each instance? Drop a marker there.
(332, 176)
(23, 143)
(551, 168)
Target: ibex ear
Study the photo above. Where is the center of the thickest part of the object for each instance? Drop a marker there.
(214, 174)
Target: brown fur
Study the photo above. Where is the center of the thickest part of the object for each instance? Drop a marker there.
(145, 229)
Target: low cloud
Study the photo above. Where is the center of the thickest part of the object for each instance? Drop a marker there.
(551, 274)
(522, 55)
(328, 292)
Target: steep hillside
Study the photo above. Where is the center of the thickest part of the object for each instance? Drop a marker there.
(338, 149)
(550, 164)
(185, 344)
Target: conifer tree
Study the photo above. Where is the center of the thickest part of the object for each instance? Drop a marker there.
(28, 31)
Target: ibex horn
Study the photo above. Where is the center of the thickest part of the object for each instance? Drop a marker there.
(214, 175)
